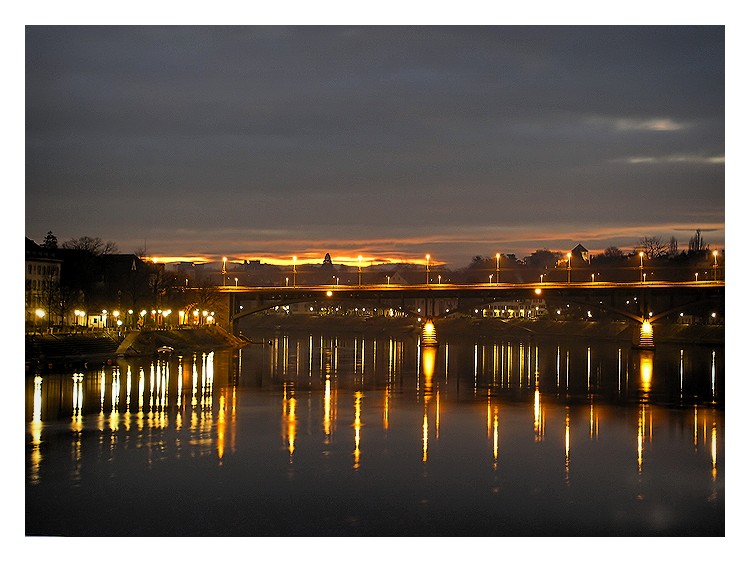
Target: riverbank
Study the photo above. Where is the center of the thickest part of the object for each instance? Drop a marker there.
(48, 351)
(51, 351)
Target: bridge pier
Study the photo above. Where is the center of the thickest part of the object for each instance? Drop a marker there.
(645, 335)
(428, 337)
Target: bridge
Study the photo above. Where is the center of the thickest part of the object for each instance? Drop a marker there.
(642, 303)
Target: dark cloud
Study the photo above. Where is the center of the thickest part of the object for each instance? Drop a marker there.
(302, 128)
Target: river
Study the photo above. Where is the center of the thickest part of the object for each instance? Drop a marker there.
(313, 433)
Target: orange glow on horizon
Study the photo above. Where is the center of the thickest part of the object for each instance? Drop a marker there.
(315, 259)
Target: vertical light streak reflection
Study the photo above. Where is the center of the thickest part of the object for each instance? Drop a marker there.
(357, 426)
(593, 421)
(78, 397)
(495, 438)
(495, 364)
(557, 367)
(323, 355)
(141, 397)
(296, 358)
(695, 427)
(116, 389)
(489, 413)
(538, 416)
(336, 355)
(179, 383)
(682, 370)
(114, 416)
(437, 414)
(391, 360)
(102, 390)
(387, 407)
(284, 355)
(619, 370)
(362, 361)
(713, 451)
(567, 445)
(128, 385)
(309, 356)
(76, 425)
(425, 431)
(221, 426)
(289, 420)
(476, 365)
(647, 372)
(327, 412)
(713, 374)
(36, 432)
(588, 369)
(446, 363)
(641, 426)
(233, 420)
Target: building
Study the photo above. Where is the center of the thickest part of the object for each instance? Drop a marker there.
(579, 253)
(42, 283)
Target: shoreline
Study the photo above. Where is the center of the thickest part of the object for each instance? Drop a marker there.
(83, 350)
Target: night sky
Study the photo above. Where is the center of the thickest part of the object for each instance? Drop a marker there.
(264, 142)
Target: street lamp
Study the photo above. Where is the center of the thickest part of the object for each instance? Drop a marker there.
(490, 281)
(569, 256)
(696, 276)
(294, 271)
(235, 281)
(224, 270)
(641, 267)
(716, 263)
(388, 280)
(360, 270)
(439, 279)
(427, 267)
(497, 268)
(39, 314)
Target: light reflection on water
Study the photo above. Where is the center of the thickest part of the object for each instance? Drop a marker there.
(588, 439)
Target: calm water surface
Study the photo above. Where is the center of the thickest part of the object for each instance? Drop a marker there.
(311, 434)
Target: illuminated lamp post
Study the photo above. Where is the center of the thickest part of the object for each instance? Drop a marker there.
(294, 271)
(224, 270)
(641, 267)
(497, 268)
(359, 270)
(427, 268)
(38, 313)
(569, 256)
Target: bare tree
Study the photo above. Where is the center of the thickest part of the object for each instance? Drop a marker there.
(613, 252)
(652, 246)
(94, 245)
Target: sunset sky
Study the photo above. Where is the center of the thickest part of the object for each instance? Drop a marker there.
(387, 142)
